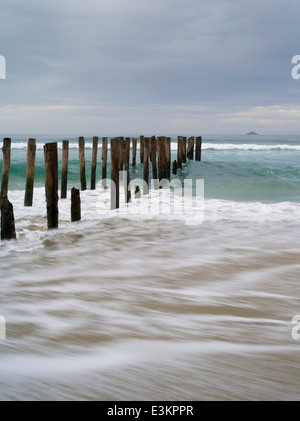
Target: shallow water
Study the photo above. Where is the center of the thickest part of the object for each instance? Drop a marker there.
(119, 309)
(123, 308)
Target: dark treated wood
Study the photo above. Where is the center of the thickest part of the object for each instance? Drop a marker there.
(160, 157)
(81, 143)
(190, 148)
(115, 165)
(179, 151)
(168, 157)
(126, 158)
(31, 151)
(164, 147)
(8, 231)
(45, 172)
(142, 149)
(120, 149)
(146, 165)
(137, 192)
(94, 162)
(64, 172)
(198, 148)
(153, 148)
(104, 161)
(75, 205)
(51, 174)
(134, 147)
(174, 167)
(184, 150)
(6, 149)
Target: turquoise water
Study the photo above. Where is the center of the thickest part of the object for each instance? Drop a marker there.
(242, 168)
(142, 307)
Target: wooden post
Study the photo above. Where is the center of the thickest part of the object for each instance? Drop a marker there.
(154, 166)
(174, 167)
(168, 157)
(190, 148)
(126, 155)
(5, 167)
(142, 149)
(134, 146)
(82, 163)
(198, 148)
(179, 151)
(146, 165)
(31, 150)
(94, 162)
(158, 157)
(51, 169)
(115, 166)
(64, 173)
(159, 152)
(75, 205)
(104, 161)
(120, 149)
(137, 192)
(162, 158)
(8, 231)
(45, 173)
(184, 150)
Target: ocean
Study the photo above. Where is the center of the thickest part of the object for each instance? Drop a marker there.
(145, 306)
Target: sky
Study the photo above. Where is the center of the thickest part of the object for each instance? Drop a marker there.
(149, 67)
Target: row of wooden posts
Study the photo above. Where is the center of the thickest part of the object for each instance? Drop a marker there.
(155, 149)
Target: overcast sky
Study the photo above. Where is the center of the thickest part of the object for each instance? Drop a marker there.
(149, 66)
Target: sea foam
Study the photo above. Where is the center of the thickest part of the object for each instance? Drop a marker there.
(160, 206)
(205, 146)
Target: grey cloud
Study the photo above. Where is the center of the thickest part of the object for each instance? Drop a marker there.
(141, 52)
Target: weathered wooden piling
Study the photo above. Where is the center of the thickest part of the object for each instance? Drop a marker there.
(81, 143)
(8, 231)
(51, 175)
(179, 152)
(159, 158)
(190, 148)
(104, 161)
(137, 192)
(75, 205)
(134, 147)
(31, 150)
(174, 167)
(165, 157)
(44, 147)
(184, 150)
(146, 165)
(168, 157)
(198, 148)
(142, 149)
(120, 140)
(64, 172)
(160, 149)
(6, 149)
(153, 148)
(115, 165)
(94, 162)
(126, 158)
(162, 158)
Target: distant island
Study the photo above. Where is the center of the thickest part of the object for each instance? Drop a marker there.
(252, 133)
